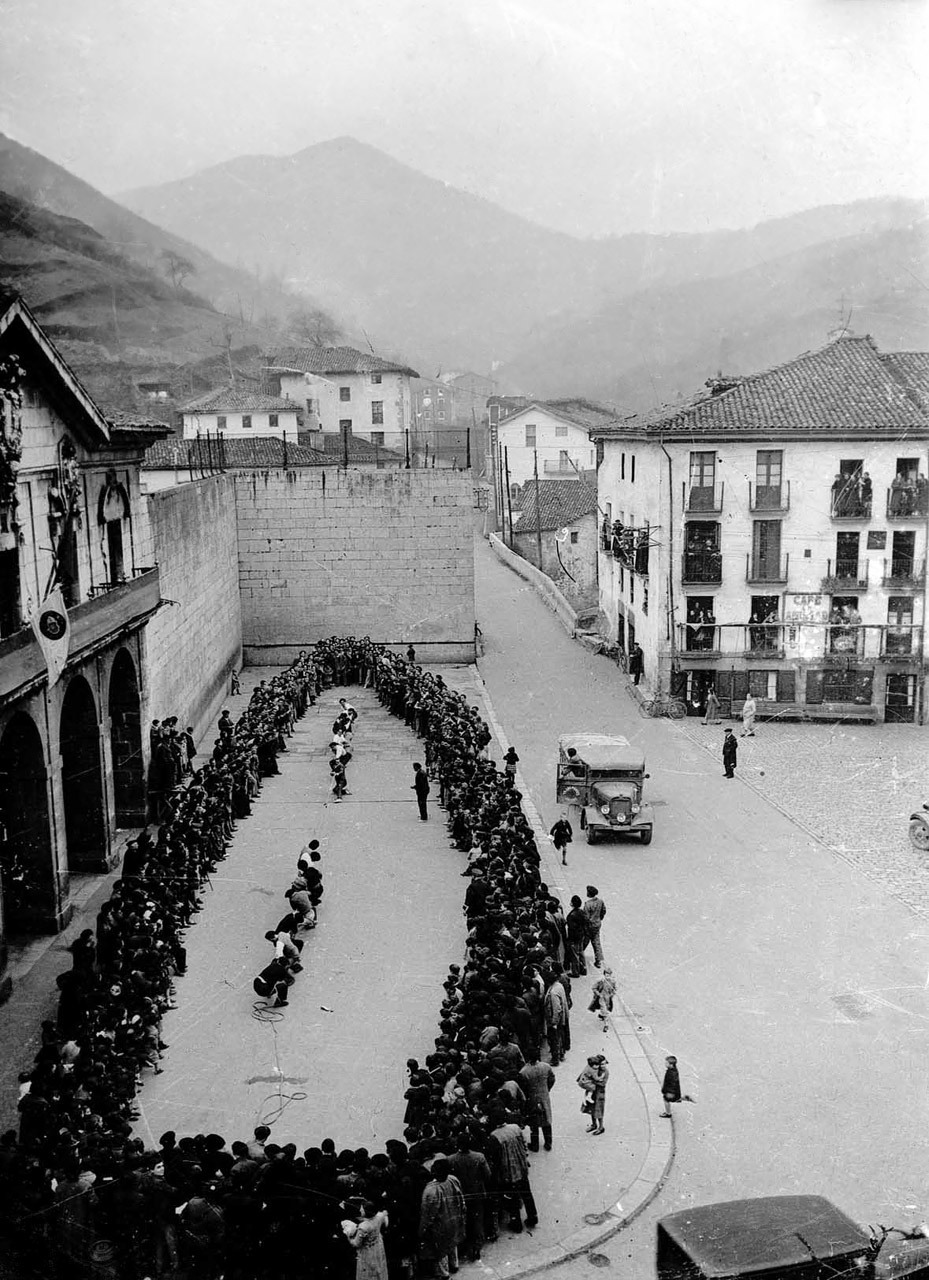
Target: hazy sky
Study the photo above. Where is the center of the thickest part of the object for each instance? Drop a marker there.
(588, 115)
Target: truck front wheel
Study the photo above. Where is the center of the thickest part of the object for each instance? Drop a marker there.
(647, 836)
(591, 835)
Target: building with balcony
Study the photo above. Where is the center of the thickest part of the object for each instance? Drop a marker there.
(785, 516)
(339, 389)
(551, 435)
(72, 751)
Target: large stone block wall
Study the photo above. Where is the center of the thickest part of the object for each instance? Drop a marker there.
(388, 554)
(194, 644)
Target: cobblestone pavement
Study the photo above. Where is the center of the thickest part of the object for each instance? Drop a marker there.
(853, 787)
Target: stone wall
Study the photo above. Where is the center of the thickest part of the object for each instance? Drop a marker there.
(388, 554)
(194, 644)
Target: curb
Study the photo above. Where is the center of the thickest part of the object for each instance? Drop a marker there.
(659, 1157)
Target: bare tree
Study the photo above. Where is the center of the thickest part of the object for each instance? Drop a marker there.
(177, 267)
(314, 325)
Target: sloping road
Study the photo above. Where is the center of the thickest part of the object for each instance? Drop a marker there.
(791, 987)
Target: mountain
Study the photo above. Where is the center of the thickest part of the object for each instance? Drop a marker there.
(663, 342)
(442, 275)
(238, 292)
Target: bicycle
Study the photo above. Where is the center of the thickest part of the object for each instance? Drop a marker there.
(663, 704)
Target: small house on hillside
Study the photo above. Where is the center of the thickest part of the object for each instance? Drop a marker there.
(229, 411)
(341, 389)
(553, 434)
(566, 516)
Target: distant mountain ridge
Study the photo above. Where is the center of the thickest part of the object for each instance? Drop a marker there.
(447, 277)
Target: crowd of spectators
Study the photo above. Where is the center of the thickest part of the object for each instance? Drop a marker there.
(257, 1209)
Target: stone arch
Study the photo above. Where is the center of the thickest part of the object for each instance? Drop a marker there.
(82, 779)
(26, 855)
(125, 707)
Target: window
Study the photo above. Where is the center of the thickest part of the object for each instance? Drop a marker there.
(622, 466)
(574, 537)
(114, 546)
(564, 460)
(10, 614)
(345, 393)
(903, 555)
(311, 405)
(763, 684)
(377, 437)
(375, 380)
(272, 419)
(345, 425)
(836, 685)
(441, 415)
(703, 469)
(561, 430)
(530, 435)
(645, 597)
(768, 468)
(846, 555)
(220, 422)
(377, 411)
(246, 421)
(631, 589)
(632, 470)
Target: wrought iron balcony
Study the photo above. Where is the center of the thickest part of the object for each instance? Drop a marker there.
(845, 575)
(761, 569)
(701, 567)
(704, 499)
(93, 622)
(832, 643)
(769, 497)
(851, 502)
(903, 573)
(702, 638)
(909, 501)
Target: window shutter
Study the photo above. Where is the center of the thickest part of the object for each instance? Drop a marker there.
(787, 686)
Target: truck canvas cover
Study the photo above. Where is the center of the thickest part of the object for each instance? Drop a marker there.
(601, 753)
(769, 1235)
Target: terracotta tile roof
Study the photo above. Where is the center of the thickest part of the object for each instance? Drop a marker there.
(231, 452)
(912, 368)
(239, 400)
(359, 449)
(335, 360)
(561, 502)
(845, 387)
(582, 413)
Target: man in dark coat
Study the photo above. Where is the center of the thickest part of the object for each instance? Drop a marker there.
(537, 1079)
(421, 787)
(636, 663)
(730, 753)
(562, 834)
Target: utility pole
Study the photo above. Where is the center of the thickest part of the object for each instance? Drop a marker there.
(509, 503)
(538, 517)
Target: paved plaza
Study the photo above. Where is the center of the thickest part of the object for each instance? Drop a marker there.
(789, 982)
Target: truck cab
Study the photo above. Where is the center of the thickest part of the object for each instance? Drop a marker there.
(604, 777)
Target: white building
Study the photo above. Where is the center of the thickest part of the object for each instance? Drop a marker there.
(553, 433)
(343, 390)
(231, 412)
(770, 534)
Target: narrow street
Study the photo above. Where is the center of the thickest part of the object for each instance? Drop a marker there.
(790, 984)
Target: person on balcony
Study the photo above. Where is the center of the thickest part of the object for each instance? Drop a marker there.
(864, 493)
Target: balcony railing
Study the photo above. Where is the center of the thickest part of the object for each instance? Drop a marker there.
(702, 567)
(761, 569)
(703, 499)
(845, 575)
(851, 501)
(909, 501)
(92, 621)
(903, 572)
(702, 638)
(768, 497)
(832, 643)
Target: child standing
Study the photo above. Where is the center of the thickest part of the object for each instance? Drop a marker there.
(670, 1086)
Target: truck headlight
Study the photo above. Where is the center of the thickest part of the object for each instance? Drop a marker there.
(635, 808)
(605, 808)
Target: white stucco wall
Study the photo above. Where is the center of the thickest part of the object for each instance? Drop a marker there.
(549, 445)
